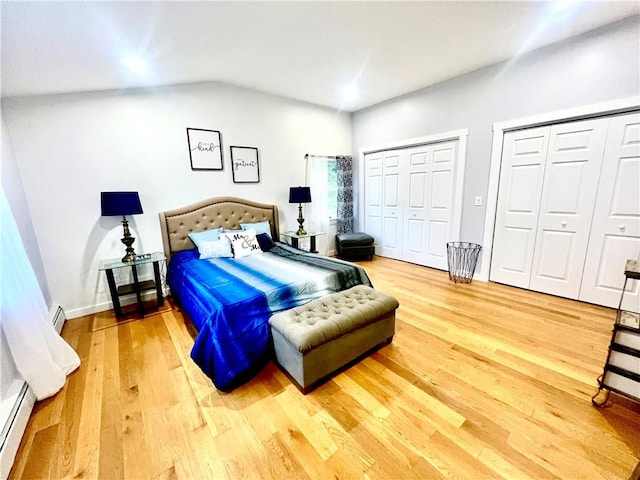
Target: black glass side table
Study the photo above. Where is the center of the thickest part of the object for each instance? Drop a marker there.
(137, 287)
(310, 235)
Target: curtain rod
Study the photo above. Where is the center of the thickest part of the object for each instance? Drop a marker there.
(306, 155)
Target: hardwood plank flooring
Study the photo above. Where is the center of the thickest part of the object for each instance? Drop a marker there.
(481, 381)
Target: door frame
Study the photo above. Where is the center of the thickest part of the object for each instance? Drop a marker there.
(459, 135)
(613, 107)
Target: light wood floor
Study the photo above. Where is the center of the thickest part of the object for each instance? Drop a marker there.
(481, 381)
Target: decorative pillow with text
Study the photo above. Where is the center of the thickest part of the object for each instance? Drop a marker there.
(243, 243)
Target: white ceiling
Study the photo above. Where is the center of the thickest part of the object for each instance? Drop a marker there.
(304, 50)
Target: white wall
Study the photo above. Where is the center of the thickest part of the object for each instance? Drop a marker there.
(71, 147)
(596, 67)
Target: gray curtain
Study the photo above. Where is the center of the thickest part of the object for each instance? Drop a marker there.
(344, 169)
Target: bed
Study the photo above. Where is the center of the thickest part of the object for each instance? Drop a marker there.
(230, 300)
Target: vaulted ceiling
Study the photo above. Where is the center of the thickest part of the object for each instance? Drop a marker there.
(344, 55)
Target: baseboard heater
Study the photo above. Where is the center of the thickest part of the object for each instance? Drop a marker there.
(16, 408)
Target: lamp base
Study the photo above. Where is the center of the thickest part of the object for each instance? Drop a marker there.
(130, 257)
(128, 240)
(300, 221)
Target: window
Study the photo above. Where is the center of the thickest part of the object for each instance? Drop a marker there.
(332, 179)
(322, 177)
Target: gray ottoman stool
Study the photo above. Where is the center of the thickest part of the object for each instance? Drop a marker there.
(355, 245)
(314, 340)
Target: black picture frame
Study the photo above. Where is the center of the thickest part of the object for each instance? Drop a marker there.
(245, 164)
(205, 149)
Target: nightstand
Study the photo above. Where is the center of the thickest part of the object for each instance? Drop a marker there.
(310, 235)
(137, 287)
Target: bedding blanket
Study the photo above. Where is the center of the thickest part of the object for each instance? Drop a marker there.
(230, 301)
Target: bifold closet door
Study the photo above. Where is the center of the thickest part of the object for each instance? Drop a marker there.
(383, 201)
(524, 157)
(548, 186)
(393, 202)
(615, 234)
(373, 196)
(424, 204)
(408, 200)
(574, 158)
(427, 187)
(415, 220)
(440, 196)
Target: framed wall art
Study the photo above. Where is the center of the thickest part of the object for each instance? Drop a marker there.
(245, 165)
(205, 149)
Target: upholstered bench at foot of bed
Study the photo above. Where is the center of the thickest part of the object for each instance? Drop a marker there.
(315, 340)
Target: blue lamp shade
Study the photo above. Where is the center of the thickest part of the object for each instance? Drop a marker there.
(300, 195)
(120, 203)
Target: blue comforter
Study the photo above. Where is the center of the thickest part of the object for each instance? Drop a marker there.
(230, 301)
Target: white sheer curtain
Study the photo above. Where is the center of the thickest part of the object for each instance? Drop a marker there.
(41, 356)
(317, 212)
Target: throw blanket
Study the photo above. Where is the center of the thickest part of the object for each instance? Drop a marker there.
(230, 301)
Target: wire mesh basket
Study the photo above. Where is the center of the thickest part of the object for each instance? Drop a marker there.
(462, 258)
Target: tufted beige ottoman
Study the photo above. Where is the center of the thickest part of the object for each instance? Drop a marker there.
(316, 339)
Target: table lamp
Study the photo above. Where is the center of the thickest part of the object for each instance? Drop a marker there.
(300, 195)
(122, 203)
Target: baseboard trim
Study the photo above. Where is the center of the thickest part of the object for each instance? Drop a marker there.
(101, 307)
(17, 424)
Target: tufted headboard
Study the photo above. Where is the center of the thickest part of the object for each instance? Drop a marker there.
(226, 212)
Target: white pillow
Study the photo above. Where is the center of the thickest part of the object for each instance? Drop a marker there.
(259, 227)
(215, 249)
(243, 243)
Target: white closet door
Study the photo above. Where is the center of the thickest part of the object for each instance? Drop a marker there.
(521, 178)
(409, 196)
(415, 219)
(615, 235)
(441, 185)
(569, 192)
(393, 189)
(373, 196)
